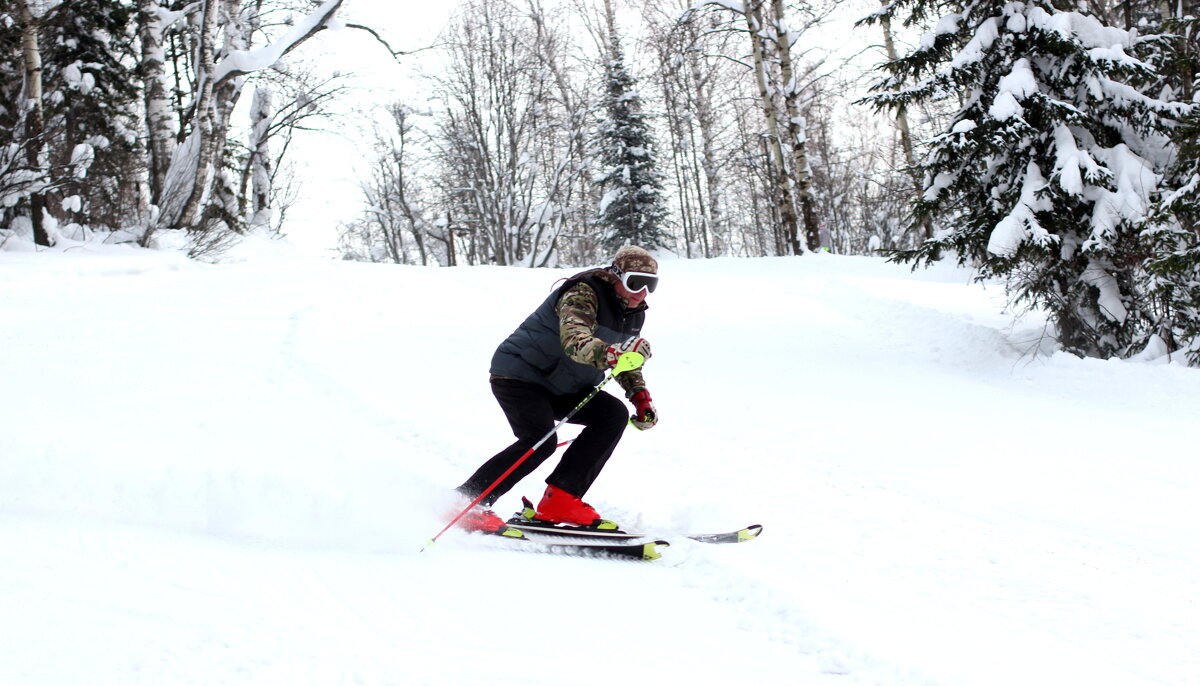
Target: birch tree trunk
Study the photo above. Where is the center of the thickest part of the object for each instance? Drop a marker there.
(261, 116)
(213, 117)
(706, 120)
(35, 114)
(160, 134)
(796, 136)
(198, 148)
(779, 176)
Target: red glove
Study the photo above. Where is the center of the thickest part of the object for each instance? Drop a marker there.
(636, 344)
(644, 416)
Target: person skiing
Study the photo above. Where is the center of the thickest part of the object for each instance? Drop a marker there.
(550, 363)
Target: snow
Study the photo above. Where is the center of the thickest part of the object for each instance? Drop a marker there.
(1013, 87)
(1136, 182)
(82, 157)
(733, 5)
(223, 474)
(1021, 224)
(1107, 41)
(963, 126)
(611, 196)
(1110, 301)
(946, 25)
(1068, 159)
(942, 181)
(1005, 107)
(73, 75)
(980, 43)
(78, 79)
(72, 203)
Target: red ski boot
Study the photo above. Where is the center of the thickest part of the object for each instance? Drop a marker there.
(481, 519)
(559, 507)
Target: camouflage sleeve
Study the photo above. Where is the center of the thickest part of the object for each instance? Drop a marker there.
(632, 382)
(576, 330)
(577, 325)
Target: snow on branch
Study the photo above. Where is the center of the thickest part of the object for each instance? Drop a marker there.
(166, 17)
(241, 62)
(1110, 301)
(731, 5)
(1021, 224)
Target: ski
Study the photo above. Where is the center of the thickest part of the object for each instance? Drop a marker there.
(524, 521)
(740, 536)
(643, 550)
(748, 533)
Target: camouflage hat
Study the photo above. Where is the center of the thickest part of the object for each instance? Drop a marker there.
(634, 259)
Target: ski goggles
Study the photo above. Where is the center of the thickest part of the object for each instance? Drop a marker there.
(635, 282)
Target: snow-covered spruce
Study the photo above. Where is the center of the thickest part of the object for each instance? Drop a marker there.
(1051, 163)
(632, 210)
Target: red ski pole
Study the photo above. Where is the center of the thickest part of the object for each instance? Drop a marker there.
(625, 363)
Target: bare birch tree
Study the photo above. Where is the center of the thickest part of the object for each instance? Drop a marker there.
(29, 13)
(797, 136)
(160, 140)
(500, 176)
(782, 81)
(190, 198)
(692, 96)
(781, 185)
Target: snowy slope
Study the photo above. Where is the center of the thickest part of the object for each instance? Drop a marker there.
(223, 474)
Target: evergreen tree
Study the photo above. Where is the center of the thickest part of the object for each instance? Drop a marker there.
(1049, 165)
(16, 180)
(632, 210)
(89, 142)
(91, 111)
(1175, 225)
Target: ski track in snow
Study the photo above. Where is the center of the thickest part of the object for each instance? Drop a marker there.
(223, 474)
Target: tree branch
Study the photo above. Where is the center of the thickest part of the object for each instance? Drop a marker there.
(395, 53)
(242, 62)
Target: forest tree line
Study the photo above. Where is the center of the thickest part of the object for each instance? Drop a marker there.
(118, 116)
(714, 117)
(1049, 144)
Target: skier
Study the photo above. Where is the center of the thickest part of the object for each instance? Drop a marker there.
(546, 367)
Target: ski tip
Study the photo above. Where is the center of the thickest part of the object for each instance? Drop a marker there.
(749, 533)
(650, 550)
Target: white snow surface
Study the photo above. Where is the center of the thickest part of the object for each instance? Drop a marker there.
(223, 474)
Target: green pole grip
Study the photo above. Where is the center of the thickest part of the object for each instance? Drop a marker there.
(628, 362)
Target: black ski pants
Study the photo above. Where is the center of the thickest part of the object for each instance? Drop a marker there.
(532, 411)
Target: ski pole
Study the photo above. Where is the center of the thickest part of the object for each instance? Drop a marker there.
(626, 362)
